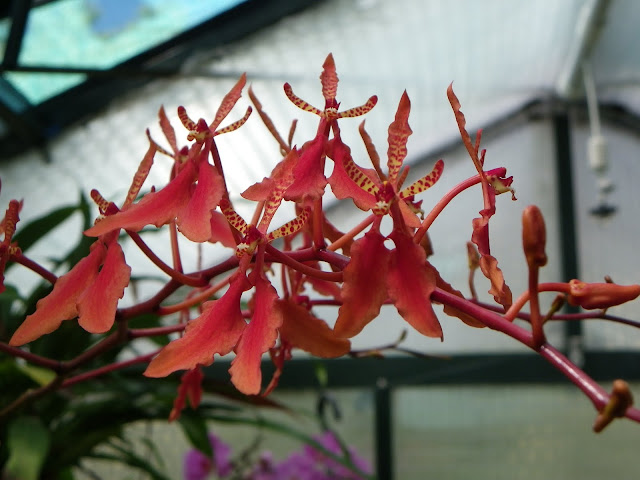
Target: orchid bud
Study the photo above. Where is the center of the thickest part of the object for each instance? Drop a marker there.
(534, 237)
(600, 295)
(619, 401)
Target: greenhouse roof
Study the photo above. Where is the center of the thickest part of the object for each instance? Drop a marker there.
(499, 53)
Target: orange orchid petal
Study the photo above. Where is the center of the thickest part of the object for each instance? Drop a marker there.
(499, 289)
(167, 130)
(298, 102)
(235, 220)
(194, 221)
(409, 216)
(306, 332)
(235, 125)
(221, 231)
(216, 330)
(157, 208)
(61, 303)
(97, 304)
(281, 177)
(190, 388)
(361, 110)
(448, 309)
(471, 147)
(425, 182)
(309, 172)
(291, 227)
(228, 102)
(364, 289)
(348, 180)
(329, 80)
(410, 284)
(259, 336)
(399, 132)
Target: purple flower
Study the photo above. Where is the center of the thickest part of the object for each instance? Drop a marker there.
(197, 466)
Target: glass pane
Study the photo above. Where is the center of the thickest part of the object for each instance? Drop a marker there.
(507, 432)
(100, 34)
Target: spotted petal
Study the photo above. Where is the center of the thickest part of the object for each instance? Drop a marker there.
(399, 132)
(348, 180)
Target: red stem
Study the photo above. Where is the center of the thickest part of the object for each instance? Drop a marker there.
(442, 203)
(192, 281)
(36, 267)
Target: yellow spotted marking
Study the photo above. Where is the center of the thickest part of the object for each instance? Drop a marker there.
(235, 125)
(361, 110)
(298, 102)
(358, 176)
(235, 220)
(290, 227)
(425, 182)
(228, 102)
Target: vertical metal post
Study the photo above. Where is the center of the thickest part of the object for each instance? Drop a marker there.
(567, 227)
(384, 427)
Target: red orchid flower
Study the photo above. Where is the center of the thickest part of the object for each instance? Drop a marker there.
(369, 189)
(309, 179)
(375, 273)
(190, 389)
(193, 193)
(492, 185)
(221, 327)
(89, 291)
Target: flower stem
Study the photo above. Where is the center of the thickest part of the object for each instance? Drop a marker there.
(174, 274)
(444, 201)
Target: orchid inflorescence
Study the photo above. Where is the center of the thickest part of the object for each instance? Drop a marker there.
(364, 276)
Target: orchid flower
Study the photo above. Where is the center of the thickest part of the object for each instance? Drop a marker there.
(492, 185)
(309, 179)
(221, 327)
(375, 273)
(195, 190)
(89, 291)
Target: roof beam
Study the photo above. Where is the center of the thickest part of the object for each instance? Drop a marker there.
(19, 15)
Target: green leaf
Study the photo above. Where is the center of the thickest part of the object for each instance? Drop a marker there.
(28, 441)
(33, 231)
(42, 376)
(322, 375)
(195, 429)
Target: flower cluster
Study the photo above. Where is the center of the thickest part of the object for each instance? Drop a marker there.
(309, 463)
(261, 299)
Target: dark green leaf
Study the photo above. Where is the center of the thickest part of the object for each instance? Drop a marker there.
(195, 429)
(29, 234)
(28, 441)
